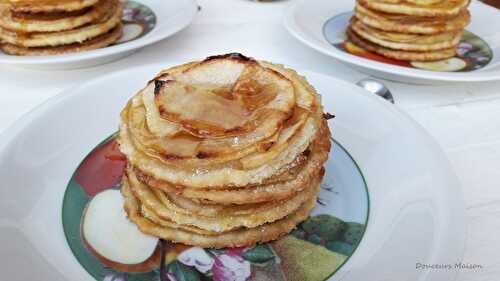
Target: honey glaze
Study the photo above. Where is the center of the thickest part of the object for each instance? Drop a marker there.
(216, 111)
(39, 2)
(48, 16)
(199, 107)
(44, 6)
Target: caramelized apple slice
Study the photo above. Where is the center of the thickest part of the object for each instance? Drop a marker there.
(206, 111)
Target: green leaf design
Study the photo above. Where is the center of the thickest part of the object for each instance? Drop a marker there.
(259, 254)
(340, 247)
(183, 272)
(325, 226)
(353, 233)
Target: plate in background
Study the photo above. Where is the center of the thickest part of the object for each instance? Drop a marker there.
(320, 24)
(145, 22)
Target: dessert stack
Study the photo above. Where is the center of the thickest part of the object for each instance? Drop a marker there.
(224, 152)
(412, 30)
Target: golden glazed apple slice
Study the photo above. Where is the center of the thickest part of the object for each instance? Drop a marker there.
(113, 239)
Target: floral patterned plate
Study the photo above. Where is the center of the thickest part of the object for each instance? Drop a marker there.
(57, 159)
(145, 22)
(333, 231)
(321, 25)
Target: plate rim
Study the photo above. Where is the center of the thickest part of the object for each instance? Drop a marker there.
(482, 75)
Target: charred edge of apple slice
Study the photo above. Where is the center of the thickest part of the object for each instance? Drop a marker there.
(328, 116)
(159, 84)
(146, 266)
(160, 76)
(231, 56)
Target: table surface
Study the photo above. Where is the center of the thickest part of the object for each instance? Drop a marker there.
(463, 118)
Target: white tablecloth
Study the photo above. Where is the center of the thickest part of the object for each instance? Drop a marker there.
(463, 118)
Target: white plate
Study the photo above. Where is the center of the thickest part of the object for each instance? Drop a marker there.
(306, 19)
(171, 17)
(416, 209)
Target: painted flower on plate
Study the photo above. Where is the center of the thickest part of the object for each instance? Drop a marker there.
(198, 258)
(230, 268)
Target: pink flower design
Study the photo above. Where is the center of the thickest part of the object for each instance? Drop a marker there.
(236, 251)
(229, 267)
